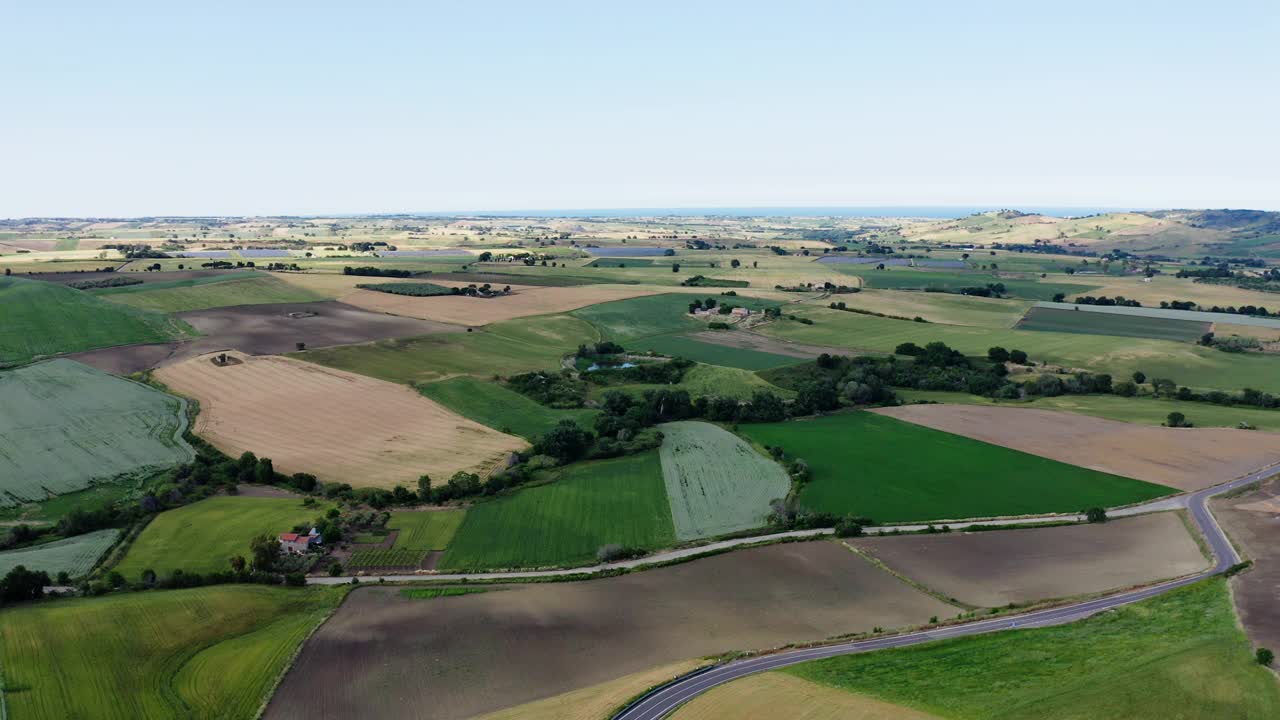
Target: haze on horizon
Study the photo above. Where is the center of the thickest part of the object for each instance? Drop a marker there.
(148, 108)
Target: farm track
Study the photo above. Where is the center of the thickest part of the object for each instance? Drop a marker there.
(661, 702)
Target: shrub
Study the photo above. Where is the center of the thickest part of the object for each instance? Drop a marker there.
(614, 552)
(1264, 657)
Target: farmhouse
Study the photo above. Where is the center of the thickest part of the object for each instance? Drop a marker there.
(297, 543)
(740, 312)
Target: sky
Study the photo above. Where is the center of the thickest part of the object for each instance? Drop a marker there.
(123, 109)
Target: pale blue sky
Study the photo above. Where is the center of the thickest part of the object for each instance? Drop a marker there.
(131, 108)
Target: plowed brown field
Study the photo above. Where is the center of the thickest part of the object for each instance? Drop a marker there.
(1253, 521)
(339, 426)
(1184, 458)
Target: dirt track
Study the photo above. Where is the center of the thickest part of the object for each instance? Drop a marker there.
(385, 656)
(991, 569)
(339, 426)
(1184, 458)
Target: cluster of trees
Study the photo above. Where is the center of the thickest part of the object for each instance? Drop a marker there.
(117, 281)
(1222, 270)
(1231, 343)
(605, 347)
(21, 585)
(370, 271)
(558, 390)
(647, 373)
(136, 251)
(842, 306)
(827, 286)
(996, 290)
(1118, 300)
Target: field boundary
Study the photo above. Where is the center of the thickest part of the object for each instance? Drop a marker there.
(1166, 314)
(293, 659)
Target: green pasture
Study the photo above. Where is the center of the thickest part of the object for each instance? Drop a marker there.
(900, 278)
(211, 652)
(618, 501)
(624, 321)
(713, 354)
(1178, 655)
(1092, 323)
(704, 380)
(75, 555)
(892, 471)
(39, 319)
(262, 290)
(65, 426)
(492, 404)
(504, 348)
(203, 536)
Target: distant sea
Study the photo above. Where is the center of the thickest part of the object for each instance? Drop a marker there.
(922, 211)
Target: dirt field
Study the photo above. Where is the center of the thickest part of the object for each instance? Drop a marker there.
(264, 330)
(994, 568)
(467, 655)
(1184, 458)
(523, 302)
(1253, 522)
(762, 343)
(777, 696)
(336, 425)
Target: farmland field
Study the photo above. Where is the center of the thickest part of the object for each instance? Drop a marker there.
(1253, 522)
(302, 416)
(418, 289)
(224, 526)
(499, 349)
(869, 465)
(205, 293)
(909, 279)
(158, 654)
(1088, 323)
(621, 501)
(993, 569)
(1179, 655)
(66, 425)
(783, 696)
(705, 380)
(39, 319)
(518, 644)
(1184, 458)
(419, 533)
(716, 483)
(713, 354)
(489, 403)
(524, 302)
(76, 555)
(597, 701)
(938, 307)
(625, 321)
(1185, 363)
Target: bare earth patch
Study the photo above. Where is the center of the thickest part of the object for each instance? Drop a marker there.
(382, 655)
(523, 302)
(1253, 521)
(339, 426)
(1184, 458)
(778, 696)
(998, 567)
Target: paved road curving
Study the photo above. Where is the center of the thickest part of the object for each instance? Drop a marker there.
(666, 699)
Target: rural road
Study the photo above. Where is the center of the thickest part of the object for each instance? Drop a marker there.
(665, 699)
(1177, 502)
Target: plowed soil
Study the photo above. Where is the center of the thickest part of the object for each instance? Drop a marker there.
(339, 426)
(1184, 458)
(1253, 521)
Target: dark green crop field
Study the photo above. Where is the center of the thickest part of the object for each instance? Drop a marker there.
(892, 471)
(1095, 323)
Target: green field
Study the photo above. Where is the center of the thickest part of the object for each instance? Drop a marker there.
(39, 319)
(703, 380)
(716, 483)
(504, 348)
(66, 425)
(143, 286)
(1144, 410)
(621, 263)
(203, 536)
(418, 289)
(625, 321)
(1186, 364)
(1092, 323)
(904, 279)
(212, 652)
(1179, 655)
(622, 501)
(713, 354)
(420, 533)
(261, 290)
(489, 403)
(76, 555)
(892, 471)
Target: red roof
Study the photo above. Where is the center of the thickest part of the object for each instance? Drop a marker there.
(291, 537)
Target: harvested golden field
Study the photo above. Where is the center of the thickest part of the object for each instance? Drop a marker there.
(778, 696)
(339, 426)
(998, 567)
(597, 701)
(471, 654)
(525, 301)
(1184, 458)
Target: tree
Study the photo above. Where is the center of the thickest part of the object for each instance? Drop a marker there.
(675, 267)
(485, 256)
(306, 482)
(265, 472)
(1176, 420)
(22, 584)
(1096, 515)
(998, 354)
(1017, 357)
(237, 564)
(264, 549)
(1125, 388)
(149, 577)
(335, 569)
(1139, 377)
(565, 442)
(1264, 657)
(1059, 297)
(1164, 386)
(115, 579)
(735, 264)
(848, 527)
(247, 465)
